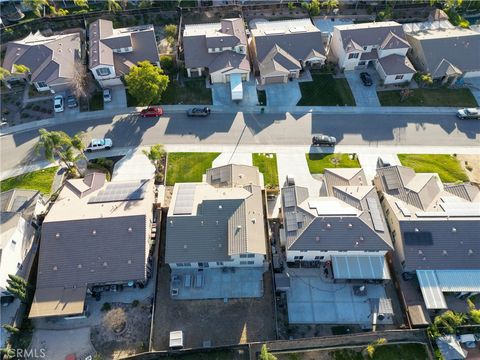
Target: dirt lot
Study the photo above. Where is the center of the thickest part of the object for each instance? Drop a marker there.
(235, 322)
(471, 165)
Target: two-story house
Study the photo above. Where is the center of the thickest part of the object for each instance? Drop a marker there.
(381, 45)
(112, 52)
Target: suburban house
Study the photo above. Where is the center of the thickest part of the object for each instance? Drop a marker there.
(219, 49)
(51, 60)
(345, 227)
(435, 229)
(96, 234)
(219, 222)
(113, 52)
(381, 45)
(446, 52)
(282, 49)
(19, 209)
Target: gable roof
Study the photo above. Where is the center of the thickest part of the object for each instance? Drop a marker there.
(48, 57)
(395, 64)
(278, 61)
(386, 34)
(451, 348)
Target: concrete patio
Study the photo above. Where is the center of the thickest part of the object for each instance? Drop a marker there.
(226, 283)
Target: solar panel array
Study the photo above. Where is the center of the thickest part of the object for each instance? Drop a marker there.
(184, 200)
(291, 218)
(391, 180)
(375, 214)
(288, 197)
(418, 238)
(134, 190)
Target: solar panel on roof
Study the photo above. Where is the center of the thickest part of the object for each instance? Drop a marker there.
(121, 192)
(418, 238)
(391, 180)
(375, 214)
(184, 200)
(288, 198)
(291, 219)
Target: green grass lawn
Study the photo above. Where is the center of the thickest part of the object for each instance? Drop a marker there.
(386, 352)
(430, 97)
(324, 90)
(188, 167)
(447, 166)
(40, 180)
(268, 166)
(317, 163)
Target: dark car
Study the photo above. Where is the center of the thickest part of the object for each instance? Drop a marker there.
(198, 111)
(323, 140)
(72, 102)
(152, 111)
(366, 79)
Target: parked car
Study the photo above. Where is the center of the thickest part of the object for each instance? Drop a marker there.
(72, 101)
(198, 111)
(152, 111)
(99, 144)
(469, 113)
(107, 95)
(366, 79)
(323, 140)
(58, 103)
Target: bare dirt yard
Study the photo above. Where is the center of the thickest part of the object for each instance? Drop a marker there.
(236, 321)
(471, 165)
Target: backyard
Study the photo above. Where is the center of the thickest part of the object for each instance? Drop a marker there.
(267, 164)
(317, 163)
(40, 180)
(429, 97)
(325, 90)
(447, 166)
(188, 167)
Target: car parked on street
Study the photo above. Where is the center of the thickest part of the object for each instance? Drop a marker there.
(58, 103)
(152, 111)
(107, 95)
(323, 140)
(366, 79)
(72, 102)
(469, 113)
(198, 111)
(99, 144)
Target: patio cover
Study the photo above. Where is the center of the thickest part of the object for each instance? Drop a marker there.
(432, 294)
(58, 301)
(359, 267)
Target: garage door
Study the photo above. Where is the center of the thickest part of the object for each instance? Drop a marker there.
(275, 80)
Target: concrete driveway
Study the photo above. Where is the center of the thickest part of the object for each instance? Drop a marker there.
(119, 98)
(221, 94)
(369, 163)
(295, 164)
(287, 94)
(364, 95)
(57, 344)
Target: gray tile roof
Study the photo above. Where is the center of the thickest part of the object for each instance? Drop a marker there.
(388, 34)
(343, 177)
(396, 64)
(233, 175)
(278, 61)
(450, 348)
(466, 191)
(49, 58)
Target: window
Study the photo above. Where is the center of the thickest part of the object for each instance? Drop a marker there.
(243, 263)
(217, 49)
(179, 264)
(242, 256)
(251, 262)
(103, 72)
(250, 255)
(298, 258)
(365, 48)
(19, 266)
(399, 77)
(387, 212)
(361, 63)
(220, 263)
(319, 257)
(353, 56)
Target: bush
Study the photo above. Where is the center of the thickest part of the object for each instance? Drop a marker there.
(106, 306)
(166, 63)
(469, 167)
(115, 320)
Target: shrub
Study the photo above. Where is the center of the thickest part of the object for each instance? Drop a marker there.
(106, 306)
(135, 303)
(166, 63)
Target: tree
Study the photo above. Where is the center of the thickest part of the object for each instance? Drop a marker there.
(473, 312)
(113, 6)
(81, 3)
(291, 6)
(18, 287)
(265, 355)
(11, 329)
(36, 5)
(170, 33)
(330, 4)
(145, 4)
(448, 322)
(314, 7)
(146, 82)
(57, 144)
(57, 12)
(166, 63)
(370, 349)
(20, 69)
(79, 82)
(156, 155)
(3, 73)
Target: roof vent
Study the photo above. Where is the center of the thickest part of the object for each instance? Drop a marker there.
(57, 235)
(201, 222)
(239, 226)
(129, 262)
(454, 229)
(220, 207)
(219, 245)
(317, 238)
(470, 251)
(416, 230)
(329, 226)
(184, 246)
(171, 222)
(361, 238)
(350, 226)
(55, 268)
(420, 252)
(356, 243)
(79, 266)
(216, 222)
(444, 252)
(105, 263)
(254, 221)
(94, 232)
(130, 229)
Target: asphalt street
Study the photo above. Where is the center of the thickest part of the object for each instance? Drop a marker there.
(351, 130)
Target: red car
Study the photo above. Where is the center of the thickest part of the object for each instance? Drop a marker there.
(152, 111)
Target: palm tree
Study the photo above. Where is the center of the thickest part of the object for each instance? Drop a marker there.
(57, 144)
(156, 155)
(113, 6)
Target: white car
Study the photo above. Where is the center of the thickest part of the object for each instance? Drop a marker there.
(58, 103)
(99, 144)
(469, 113)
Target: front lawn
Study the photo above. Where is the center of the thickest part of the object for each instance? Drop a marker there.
(267, 164)
(447, 166)
(317, 163)
(40, 180)
(325, 90)
(429, 97)
(188, 167)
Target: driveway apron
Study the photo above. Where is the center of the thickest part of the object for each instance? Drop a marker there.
(364, 95)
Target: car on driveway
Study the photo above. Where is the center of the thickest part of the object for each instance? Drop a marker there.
(107, 95)
(469, 113)
(72, 102)
(58, 103)
(366, 79)
(323, 140)
(99, 144)
(199, 111)
(152, 111)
